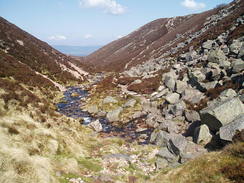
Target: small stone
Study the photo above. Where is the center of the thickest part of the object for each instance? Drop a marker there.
(93, 109)
(130, 103)
(96, 125)
(109, 99)
(114, 115)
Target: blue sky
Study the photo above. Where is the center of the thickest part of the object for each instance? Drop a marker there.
(93, 22)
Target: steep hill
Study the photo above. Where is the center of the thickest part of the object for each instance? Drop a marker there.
(164, 37)
(22, 54)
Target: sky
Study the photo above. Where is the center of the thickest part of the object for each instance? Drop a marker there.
(93, 22)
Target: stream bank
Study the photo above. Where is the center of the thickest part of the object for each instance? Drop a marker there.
(71, 104)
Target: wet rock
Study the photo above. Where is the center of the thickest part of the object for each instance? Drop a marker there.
(192, 116)
(109, 99)
(228, 131)
(96, 125)
(202, 135)
(130, 103)
(221, 113)
(114, 115)
(172, 98)
(237, 65)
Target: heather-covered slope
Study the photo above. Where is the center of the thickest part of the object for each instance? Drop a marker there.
(163, 37)
(35, 55)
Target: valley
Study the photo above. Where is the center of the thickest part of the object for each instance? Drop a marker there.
(164, 104)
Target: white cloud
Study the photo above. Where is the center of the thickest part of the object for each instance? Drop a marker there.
(119, 36)
(57, 37)
(192, 4)
(109, 6)
(88, 36)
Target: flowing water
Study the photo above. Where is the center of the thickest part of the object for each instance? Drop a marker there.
(71, 107)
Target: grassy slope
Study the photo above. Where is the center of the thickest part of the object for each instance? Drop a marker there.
(226, 166)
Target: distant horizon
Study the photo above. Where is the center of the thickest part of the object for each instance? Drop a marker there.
(93, 22)
(76, 50)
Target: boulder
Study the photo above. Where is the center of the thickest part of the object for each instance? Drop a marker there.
(176, 144)
(172, 98)
(192, 116)
(208, 44)
(241, 52)
(227, 94)
(221, 113)
(237, 65)
(114, 115)
(218, 56)
(177, 109)
(96, 125)
(197, 75)
(169, 126)
(180, 86)
(228, 131)
(170, 83)
(202, 135)
(130, 103)
(165, 158)
(192, 95)
(235, 46)
(209, 85)
(109, 99)
(160, 138)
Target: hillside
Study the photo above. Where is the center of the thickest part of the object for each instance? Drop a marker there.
(35, 56)
(164, 37)
(170, 109)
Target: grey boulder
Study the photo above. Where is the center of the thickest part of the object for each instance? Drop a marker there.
(221, 113)
(228, 131)
(202, 135)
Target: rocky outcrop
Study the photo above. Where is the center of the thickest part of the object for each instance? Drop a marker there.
(221, 113)
(228, 131)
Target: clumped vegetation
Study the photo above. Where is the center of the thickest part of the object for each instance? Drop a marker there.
(212, 94)
(224, 167)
